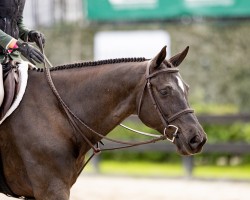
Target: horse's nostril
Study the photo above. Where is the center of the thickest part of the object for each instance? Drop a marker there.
(194, 139)
(195, 142)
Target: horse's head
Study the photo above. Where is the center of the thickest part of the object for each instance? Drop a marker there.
(164, 104)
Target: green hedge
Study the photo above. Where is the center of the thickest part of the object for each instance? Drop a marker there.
(238, 132)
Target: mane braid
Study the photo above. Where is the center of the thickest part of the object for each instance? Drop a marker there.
(94, 63)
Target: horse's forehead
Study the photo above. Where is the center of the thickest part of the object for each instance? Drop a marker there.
(180, 83)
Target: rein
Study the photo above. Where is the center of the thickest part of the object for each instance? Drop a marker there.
(75, 121)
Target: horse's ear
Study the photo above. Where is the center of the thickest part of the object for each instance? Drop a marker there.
(159, 58)
(178, 58)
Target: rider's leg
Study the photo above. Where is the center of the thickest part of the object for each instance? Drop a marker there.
(1, 85)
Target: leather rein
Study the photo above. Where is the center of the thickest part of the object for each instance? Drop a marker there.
(77, 123)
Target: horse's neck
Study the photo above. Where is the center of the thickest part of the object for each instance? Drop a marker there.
(102, 96)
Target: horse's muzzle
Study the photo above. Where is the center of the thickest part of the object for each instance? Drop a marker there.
(192, 144)
(196, 143)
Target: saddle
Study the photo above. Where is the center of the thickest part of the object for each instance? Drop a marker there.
(11, 84)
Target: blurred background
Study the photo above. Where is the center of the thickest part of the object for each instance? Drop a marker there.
(217, 69)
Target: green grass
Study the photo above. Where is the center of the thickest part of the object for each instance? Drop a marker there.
(143, 168)
(223, 172)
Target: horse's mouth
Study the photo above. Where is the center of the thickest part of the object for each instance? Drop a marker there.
(185, 148)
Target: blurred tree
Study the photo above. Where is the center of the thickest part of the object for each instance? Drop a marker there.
(216, 68)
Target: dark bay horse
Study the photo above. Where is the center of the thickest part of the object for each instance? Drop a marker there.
(42, 155)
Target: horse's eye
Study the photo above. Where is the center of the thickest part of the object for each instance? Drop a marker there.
(166, 91)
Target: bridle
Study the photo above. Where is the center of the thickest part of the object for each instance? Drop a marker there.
(78, 124)
(166, 121)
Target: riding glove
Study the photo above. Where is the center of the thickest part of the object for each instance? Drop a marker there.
(36, 36)
(29, 52)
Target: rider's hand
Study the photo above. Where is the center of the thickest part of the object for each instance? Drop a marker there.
(29, 52)
(36, 36)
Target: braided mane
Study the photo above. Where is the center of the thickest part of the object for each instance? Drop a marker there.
(94, 63)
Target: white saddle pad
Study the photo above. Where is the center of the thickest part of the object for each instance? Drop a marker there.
(23, 68)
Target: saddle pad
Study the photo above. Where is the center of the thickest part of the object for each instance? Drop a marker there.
(23, 69)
